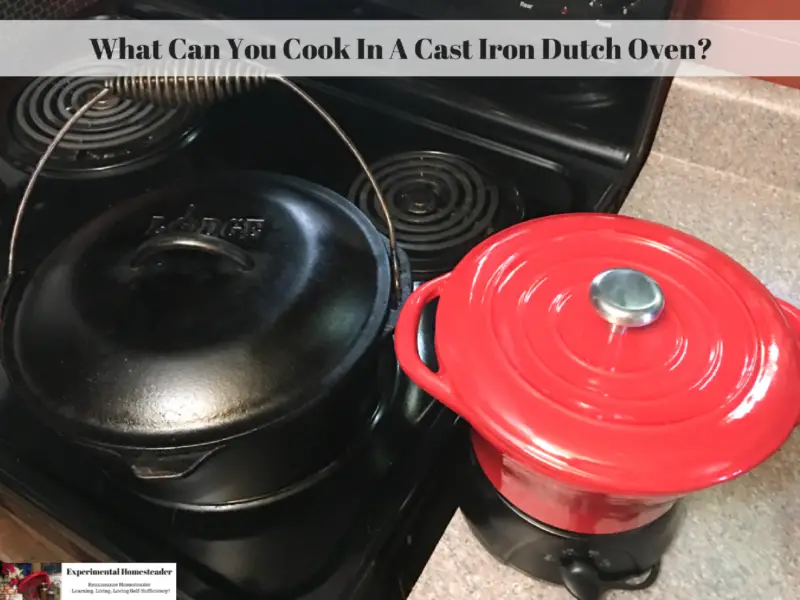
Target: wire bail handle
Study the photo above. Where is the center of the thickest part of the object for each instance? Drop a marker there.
(198, 89)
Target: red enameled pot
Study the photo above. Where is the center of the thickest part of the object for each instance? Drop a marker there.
(793, 318)
(608, 366)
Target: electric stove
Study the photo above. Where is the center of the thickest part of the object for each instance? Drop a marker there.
(454, 167)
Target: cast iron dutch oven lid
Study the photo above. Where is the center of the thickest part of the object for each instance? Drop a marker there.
(200, 311)
(614, 354)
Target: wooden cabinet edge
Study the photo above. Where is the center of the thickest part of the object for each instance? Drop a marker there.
(45, 532)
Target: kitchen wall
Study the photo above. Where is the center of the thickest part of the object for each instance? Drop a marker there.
(754, 9)
(750, 9)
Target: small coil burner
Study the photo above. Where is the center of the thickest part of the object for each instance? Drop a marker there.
(115, 135)
(442, 206)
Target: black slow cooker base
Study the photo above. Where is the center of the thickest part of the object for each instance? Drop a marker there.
(587, 565)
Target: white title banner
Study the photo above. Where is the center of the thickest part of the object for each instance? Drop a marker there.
(402, 48)
(148, 580)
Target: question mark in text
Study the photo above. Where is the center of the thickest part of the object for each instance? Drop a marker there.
(705, 44)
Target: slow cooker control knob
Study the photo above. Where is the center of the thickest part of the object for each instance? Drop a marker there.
(627, 298)
(582, 580)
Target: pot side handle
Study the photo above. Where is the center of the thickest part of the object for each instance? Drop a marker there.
(792, 314)
(168, 467)
(152, 465)
(405, 343)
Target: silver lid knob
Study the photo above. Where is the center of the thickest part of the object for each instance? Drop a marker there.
(627, 298)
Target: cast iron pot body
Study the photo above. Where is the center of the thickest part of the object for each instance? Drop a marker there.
(592, 427)
(218, 342)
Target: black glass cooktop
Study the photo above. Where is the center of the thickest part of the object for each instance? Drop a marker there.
(448, 189)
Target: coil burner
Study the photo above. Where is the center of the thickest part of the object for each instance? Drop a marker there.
(116, 134)
(442, 206)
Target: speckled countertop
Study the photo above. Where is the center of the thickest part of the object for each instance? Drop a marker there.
(726, 168)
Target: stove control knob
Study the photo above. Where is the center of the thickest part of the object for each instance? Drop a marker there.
(582, 581)
(613, 9)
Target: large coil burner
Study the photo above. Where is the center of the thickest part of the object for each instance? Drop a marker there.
(116, 135)
(442, 206)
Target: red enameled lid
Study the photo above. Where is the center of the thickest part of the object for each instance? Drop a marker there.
(618, 355)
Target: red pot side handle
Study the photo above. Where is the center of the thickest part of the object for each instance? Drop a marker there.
(793, 317)
(405, 343)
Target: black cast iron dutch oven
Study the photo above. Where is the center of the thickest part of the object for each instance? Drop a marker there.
(218, 342)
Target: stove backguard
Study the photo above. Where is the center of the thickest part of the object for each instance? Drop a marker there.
(39, 9)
